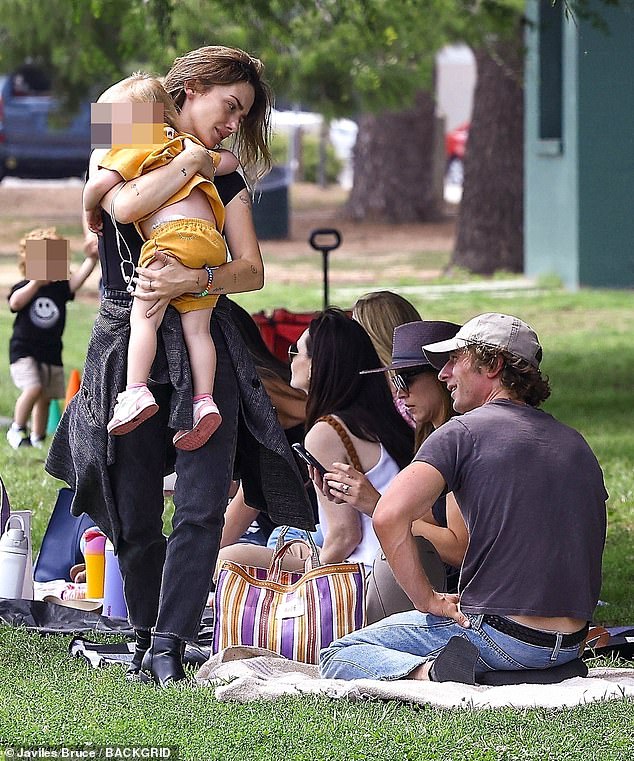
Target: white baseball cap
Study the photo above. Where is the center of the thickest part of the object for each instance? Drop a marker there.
(497, 331)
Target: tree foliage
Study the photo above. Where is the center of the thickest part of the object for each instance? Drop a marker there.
(83, 43)
(341, 58)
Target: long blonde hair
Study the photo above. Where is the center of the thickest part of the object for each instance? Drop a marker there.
(379, 313)
(218, 65)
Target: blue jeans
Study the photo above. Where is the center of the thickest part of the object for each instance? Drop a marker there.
(393, 647)
(294, 533)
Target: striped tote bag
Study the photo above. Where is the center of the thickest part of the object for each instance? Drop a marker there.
(294, 614)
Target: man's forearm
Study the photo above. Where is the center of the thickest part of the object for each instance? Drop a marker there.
(403, 559)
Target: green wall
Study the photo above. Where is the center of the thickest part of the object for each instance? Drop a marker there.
(606, 151)
(579, 215)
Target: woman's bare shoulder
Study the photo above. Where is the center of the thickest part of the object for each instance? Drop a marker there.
(324, 438)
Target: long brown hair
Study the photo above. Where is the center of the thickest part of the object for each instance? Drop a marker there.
(426, 429)
(339, 349)
(218, 65)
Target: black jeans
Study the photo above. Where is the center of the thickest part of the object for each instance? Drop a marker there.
(167, 582)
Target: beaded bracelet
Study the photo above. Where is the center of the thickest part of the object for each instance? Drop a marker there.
(210, 279)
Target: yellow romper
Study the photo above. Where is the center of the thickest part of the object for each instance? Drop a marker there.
(193, 242)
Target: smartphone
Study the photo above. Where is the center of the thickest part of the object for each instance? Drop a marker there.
(308, 458)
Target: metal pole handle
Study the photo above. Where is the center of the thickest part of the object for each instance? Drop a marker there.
(325, 239)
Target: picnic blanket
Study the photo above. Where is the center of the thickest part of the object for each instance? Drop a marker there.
(244, 674)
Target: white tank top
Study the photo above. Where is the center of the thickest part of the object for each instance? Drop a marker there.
(380, 476)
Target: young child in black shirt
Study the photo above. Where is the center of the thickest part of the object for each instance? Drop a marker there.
(35, 348)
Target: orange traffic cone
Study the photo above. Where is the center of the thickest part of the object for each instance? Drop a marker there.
(73, 386)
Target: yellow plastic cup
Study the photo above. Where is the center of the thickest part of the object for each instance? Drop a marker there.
(94, 555)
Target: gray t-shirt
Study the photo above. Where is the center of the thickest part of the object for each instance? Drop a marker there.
(532, 495)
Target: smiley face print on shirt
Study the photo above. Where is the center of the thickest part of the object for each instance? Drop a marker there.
(44, 312)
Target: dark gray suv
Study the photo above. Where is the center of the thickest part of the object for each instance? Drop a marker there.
(37, 138)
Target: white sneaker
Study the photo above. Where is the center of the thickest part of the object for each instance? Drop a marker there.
(206, 421)
(18, 437)
(37, 441)
(133, 407)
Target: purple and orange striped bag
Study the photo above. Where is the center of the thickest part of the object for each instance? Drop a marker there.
(294, 614)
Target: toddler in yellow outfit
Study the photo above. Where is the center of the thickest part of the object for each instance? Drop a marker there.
(190, 231)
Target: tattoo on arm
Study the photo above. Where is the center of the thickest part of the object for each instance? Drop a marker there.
(244, 197)
(184, 171)
(135, 187)
(254, 269)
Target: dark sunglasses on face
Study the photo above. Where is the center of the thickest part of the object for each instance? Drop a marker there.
(400, 380)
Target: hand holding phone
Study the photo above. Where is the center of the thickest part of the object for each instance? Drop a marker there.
(309, 459)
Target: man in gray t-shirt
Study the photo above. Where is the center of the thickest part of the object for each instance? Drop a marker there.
(532, 495)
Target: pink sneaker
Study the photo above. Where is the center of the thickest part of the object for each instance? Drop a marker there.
(133, 407)
(206, 420)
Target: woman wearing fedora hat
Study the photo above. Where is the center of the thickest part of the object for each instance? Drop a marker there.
(379, 312)
(443, 538)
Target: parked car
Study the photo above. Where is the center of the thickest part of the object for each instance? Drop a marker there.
(455, 145)
(37, 138)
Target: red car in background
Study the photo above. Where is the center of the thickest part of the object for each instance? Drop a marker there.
(455, 145)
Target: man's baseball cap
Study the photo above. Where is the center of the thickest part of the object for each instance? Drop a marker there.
(496, 331)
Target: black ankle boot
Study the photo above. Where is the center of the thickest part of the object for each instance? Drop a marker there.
(142, 642)
(163, 662)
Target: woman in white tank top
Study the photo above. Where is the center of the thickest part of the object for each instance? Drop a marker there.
(362, 426)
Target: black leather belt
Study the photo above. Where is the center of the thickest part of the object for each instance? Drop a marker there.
(534, 636)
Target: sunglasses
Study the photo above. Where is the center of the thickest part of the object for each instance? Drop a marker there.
(292, 351)
(400, 380)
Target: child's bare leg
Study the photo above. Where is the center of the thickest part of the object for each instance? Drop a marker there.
(137, 403)
(16, 435)
(201, 349)
(25, 403)
(142, 345)
(202, 359)
(40, 416)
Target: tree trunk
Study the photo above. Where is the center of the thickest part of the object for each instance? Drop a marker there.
(490, 233)
(394, 166)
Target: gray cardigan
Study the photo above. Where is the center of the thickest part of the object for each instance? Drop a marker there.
(82, 451)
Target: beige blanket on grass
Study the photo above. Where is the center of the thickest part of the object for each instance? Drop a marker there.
(245, 673)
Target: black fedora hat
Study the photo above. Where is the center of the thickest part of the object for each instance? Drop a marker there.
(408, 342)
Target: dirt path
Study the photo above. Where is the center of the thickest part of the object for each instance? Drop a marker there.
(368, 251)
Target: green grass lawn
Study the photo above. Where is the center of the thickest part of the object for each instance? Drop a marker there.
(49, 698)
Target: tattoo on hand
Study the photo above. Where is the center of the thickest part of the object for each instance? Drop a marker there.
(184, 171)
